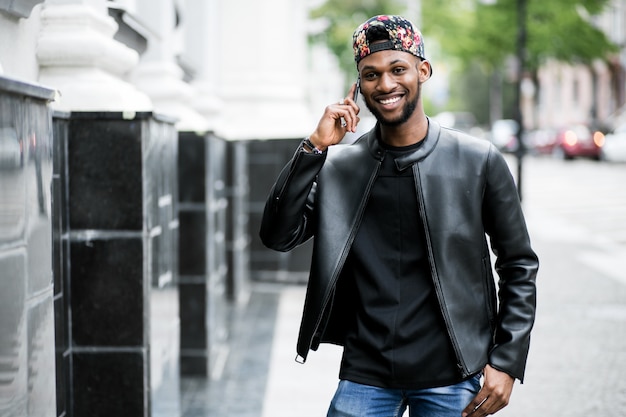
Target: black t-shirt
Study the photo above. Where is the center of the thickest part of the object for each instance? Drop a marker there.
(398, 339)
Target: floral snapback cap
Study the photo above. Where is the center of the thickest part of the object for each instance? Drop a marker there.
(402, 35)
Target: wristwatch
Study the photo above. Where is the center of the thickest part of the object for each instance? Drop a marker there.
(308, 147)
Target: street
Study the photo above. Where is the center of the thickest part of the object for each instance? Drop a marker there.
(583, 194)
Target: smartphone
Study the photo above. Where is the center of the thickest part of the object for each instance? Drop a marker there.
(355, 97)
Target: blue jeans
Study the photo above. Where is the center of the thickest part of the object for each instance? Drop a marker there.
(357, 400)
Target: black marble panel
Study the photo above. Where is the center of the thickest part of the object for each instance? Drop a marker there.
(192, 167)
(219, 193)
(237, 238)
(267, 160)
(192, 247)
(60, 260)
(269, 157)
(110, 384)
(61, 338)
(61, 354)
(160, 180)
(193, 252)
(123, 202)
(62, 383)
(164, 250)
(108, 292)
(59, 204)
(58, 253)
(194, 363)
(193, 313)
(105, 173)
(218, 203)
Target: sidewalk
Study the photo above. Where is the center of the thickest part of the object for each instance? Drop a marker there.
(575, 367)
(261, 377)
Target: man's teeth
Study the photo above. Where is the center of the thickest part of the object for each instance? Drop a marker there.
(390, 100)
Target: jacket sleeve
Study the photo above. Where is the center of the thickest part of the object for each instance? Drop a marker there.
(288, 213)
(516, 265)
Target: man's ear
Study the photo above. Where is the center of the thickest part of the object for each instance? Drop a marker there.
(425, 70)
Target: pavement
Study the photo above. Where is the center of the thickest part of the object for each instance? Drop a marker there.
(575, 368)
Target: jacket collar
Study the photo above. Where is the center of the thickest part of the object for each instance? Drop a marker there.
(430, 142)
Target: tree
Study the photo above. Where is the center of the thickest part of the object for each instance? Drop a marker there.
(556, 29)
(480, 31)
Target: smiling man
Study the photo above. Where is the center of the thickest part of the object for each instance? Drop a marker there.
(401, 274)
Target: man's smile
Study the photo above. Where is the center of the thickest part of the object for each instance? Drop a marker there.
(391, 100)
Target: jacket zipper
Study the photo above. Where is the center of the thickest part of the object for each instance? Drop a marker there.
(344, 253)
(435, 277)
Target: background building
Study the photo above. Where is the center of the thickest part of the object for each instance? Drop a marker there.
(583, 94)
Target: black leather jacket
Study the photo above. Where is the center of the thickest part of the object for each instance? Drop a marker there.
(465, 192)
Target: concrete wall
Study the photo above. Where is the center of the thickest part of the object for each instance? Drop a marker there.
(27, 290)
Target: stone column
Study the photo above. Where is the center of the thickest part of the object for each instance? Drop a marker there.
(263, 69)
(202, 47)
(79, 57)
(159, 74)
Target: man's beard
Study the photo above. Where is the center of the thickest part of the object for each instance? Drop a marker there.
(407, 111)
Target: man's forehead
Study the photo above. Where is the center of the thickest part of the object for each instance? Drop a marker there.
(386, 58)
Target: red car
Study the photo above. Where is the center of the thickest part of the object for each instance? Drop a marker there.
(575, 141)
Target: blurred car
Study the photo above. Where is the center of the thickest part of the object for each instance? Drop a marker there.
(504, 134)
(539, 139)
(577, 141)
(614, 149)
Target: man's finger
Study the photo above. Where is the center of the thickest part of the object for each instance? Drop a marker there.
(473, 407)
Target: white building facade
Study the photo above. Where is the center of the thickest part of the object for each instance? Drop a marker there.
(240, 68)
(587, 94)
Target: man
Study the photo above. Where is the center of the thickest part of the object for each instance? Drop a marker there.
(401, 273)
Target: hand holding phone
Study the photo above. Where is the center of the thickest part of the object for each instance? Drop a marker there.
(355, 97)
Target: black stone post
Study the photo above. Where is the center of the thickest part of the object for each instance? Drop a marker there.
(203, 268)
(238, 238)
(122, 200)
(267, 159)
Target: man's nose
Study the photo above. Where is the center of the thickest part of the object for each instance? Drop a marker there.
(386, 82)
